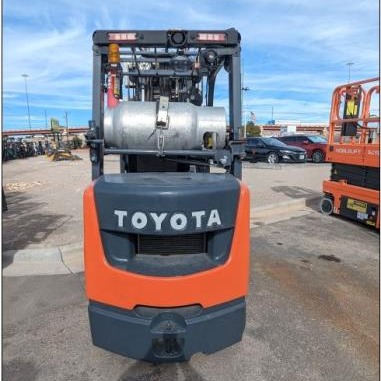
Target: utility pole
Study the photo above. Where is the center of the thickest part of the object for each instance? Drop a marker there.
(272, 113)
(244, 90)
(67, 126)
(46, 120)
(349, 64)
(27, 98)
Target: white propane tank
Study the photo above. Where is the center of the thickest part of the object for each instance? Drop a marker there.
(132, 125)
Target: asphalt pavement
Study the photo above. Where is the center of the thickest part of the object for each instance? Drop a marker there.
(312, 310)
(312, 314)
(45, 198)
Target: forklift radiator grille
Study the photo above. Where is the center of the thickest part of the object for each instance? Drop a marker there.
(171, 245)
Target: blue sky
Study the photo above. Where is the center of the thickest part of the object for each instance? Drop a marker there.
(294, 52)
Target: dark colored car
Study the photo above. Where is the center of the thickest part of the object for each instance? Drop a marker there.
(314, 145)
(273, 151)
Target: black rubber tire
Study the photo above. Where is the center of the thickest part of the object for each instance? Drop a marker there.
(272, 158)
(318, 156)
(248, 156)
(326, 206)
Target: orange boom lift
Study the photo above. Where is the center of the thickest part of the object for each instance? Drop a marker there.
(353, 190)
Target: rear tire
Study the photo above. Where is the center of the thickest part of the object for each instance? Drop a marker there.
(326, 205)
(318, 156)
(272, 158)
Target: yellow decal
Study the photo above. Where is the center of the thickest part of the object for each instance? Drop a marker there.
(357, 205)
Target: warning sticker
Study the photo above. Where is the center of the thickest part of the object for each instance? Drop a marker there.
(358, 206)
(362, 216)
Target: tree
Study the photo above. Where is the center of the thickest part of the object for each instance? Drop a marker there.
(76, 142)
(252, 129)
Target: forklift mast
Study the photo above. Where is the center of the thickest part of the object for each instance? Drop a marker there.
(161, 68)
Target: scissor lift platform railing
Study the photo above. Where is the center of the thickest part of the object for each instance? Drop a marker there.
(355, 154)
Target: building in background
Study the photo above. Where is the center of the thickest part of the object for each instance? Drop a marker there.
(286, 127)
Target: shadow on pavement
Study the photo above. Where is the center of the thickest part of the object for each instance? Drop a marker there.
(296, 192)
(25, 224)
(21, 370)
(140, 371)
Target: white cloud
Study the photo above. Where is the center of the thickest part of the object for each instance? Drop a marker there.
(10, 95)
(20, 118)
(289, 46)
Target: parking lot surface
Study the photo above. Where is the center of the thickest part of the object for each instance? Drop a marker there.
(312, 310)
(312, 314)
(45, 198)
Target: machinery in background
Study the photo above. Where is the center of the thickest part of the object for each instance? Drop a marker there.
(166, 242)
(20, 148)
(61, 151)
(58, 150)
(353, 190)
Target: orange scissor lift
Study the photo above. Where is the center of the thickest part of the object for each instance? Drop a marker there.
(353, 190)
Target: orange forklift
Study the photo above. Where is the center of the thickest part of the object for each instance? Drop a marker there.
(166, 242)
(353, 190)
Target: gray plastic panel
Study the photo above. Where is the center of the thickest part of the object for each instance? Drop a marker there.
(180, 333)
(120, 196)
(169, 193)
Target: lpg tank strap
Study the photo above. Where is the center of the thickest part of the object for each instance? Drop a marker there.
(162, 113)
(162, 122)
